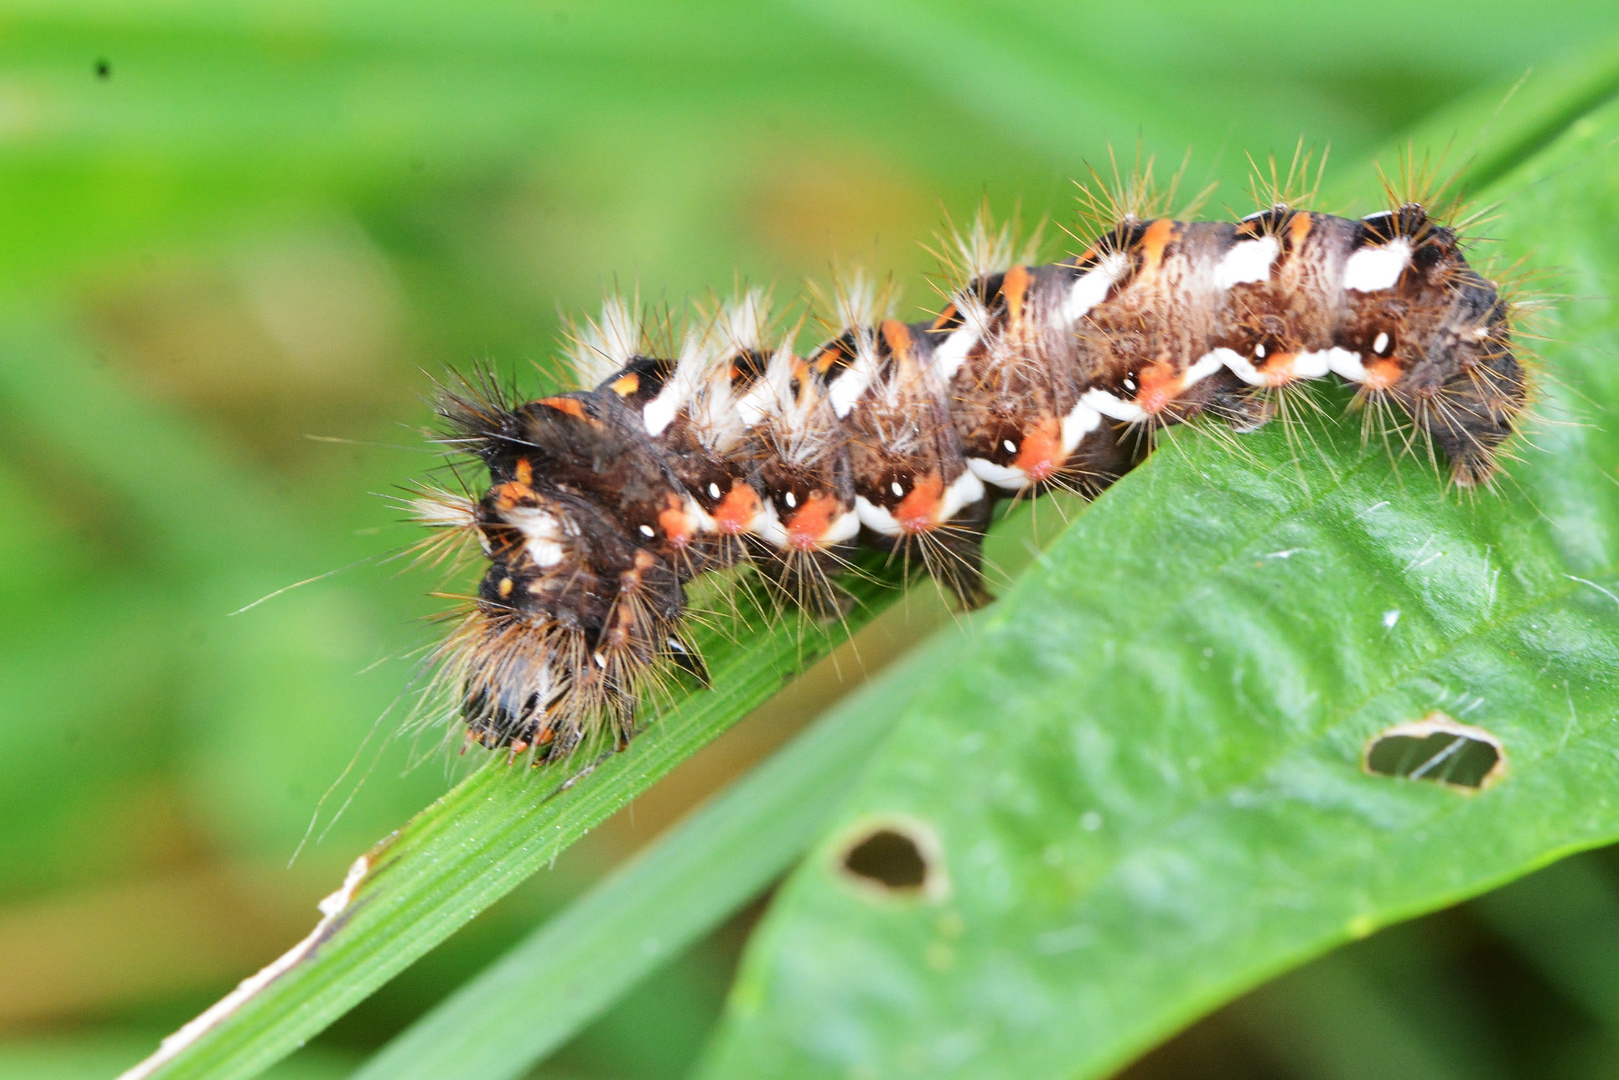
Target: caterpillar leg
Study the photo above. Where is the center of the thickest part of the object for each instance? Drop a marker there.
(954, 553)
(807, 579)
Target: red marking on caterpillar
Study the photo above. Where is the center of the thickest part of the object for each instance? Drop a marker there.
(604, 502)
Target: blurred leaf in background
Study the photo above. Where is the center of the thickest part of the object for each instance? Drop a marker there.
(237, 240)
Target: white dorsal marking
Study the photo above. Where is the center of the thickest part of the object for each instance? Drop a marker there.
(660, 412)
(1239, 365)
(1305, 365)
(1247, 262)
(856, 379)
(844, 528)
(753, 406)
(1372, 269)
(1312, 365)
(1091, 289)
(768, 527)
(875, 517)
(949, 356)
(696, 514)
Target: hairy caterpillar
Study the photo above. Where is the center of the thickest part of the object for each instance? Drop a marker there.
(604, 502)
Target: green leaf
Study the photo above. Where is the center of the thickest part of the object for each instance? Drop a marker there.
(1138, 780)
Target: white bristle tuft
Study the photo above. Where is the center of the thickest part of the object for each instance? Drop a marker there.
(602, 348)
(742, 322)
(982, 248)
(858, 301)
(443, 510)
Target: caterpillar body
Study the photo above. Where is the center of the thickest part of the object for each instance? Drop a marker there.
(604, 502)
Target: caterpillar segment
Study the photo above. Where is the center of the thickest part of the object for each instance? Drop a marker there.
(1009, 351)
(915, 494)
(604, 502)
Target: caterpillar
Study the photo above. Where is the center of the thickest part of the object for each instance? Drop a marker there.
(730, 449)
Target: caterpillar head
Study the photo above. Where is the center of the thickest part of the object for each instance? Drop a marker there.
(1432, 334)
(570, 615)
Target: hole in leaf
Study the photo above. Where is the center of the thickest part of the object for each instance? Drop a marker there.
(888, 858)
(1438, 749)
(895, 859)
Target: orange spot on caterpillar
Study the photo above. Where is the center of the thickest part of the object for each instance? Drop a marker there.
(1013, 287)
(1159, 384)
(525, 472)
(1153, 243)
(735, 513)
(945, 319)
(898, 336)
(625, 385)
(919, 510)
(822, 361)
(512, 493)
(1040, 453)
(811, 521)
(571, 406)
(1278, 368)
(1382, 374)
(1300, 227)
(675, 524)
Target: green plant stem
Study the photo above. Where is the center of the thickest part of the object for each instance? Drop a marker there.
(483, 838)
(568, 971)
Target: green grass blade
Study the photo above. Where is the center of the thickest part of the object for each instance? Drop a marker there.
(568, 971)
(1142, 772)
(480, 840)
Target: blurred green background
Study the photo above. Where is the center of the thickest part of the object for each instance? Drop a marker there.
(238, 240)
